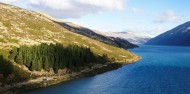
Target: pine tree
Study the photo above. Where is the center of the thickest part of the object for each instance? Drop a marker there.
(55, 56)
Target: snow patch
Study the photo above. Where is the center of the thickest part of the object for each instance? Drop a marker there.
(187, 29)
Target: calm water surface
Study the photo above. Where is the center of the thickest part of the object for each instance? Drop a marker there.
(163, 70)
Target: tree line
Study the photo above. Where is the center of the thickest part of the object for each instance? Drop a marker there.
(55, 56)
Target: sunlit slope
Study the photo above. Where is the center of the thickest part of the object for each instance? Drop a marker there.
(22, 27)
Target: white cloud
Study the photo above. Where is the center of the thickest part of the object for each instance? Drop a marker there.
(109, 4)
(137, 10)
(75, 8)
(168, 16)
(8, 1)
(57, 5)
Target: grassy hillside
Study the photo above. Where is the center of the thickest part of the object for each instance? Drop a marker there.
(22, 27)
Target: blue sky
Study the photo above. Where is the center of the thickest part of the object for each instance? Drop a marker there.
(141, 17)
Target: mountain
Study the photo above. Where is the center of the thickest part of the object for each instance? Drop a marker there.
(118, 42)
(178, 36)
(23, 27)
(37, 51)
(128, 36)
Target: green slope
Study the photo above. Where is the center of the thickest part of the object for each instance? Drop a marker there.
(22, 27)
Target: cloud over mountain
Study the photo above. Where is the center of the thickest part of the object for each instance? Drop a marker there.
(8, 1)
(71, 8)
(76, 8)
(168, 16)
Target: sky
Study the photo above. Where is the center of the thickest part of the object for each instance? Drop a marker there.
(140, 17)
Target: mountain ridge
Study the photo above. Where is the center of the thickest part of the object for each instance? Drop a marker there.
(178, 36)
(118, 42)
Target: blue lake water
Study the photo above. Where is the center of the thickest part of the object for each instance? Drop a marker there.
(163, 70)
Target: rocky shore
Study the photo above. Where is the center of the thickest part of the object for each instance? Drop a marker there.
(41, 82)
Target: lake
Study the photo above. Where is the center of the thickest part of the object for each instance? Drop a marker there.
(163, 70)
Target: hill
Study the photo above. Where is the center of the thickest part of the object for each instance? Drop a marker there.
(23, 27)
(178, 36)
(34, 47)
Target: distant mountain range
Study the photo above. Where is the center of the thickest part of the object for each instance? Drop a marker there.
(116, 41)
(128, 36)
(178, 36)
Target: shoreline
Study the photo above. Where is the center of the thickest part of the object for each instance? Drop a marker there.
(18, 88)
